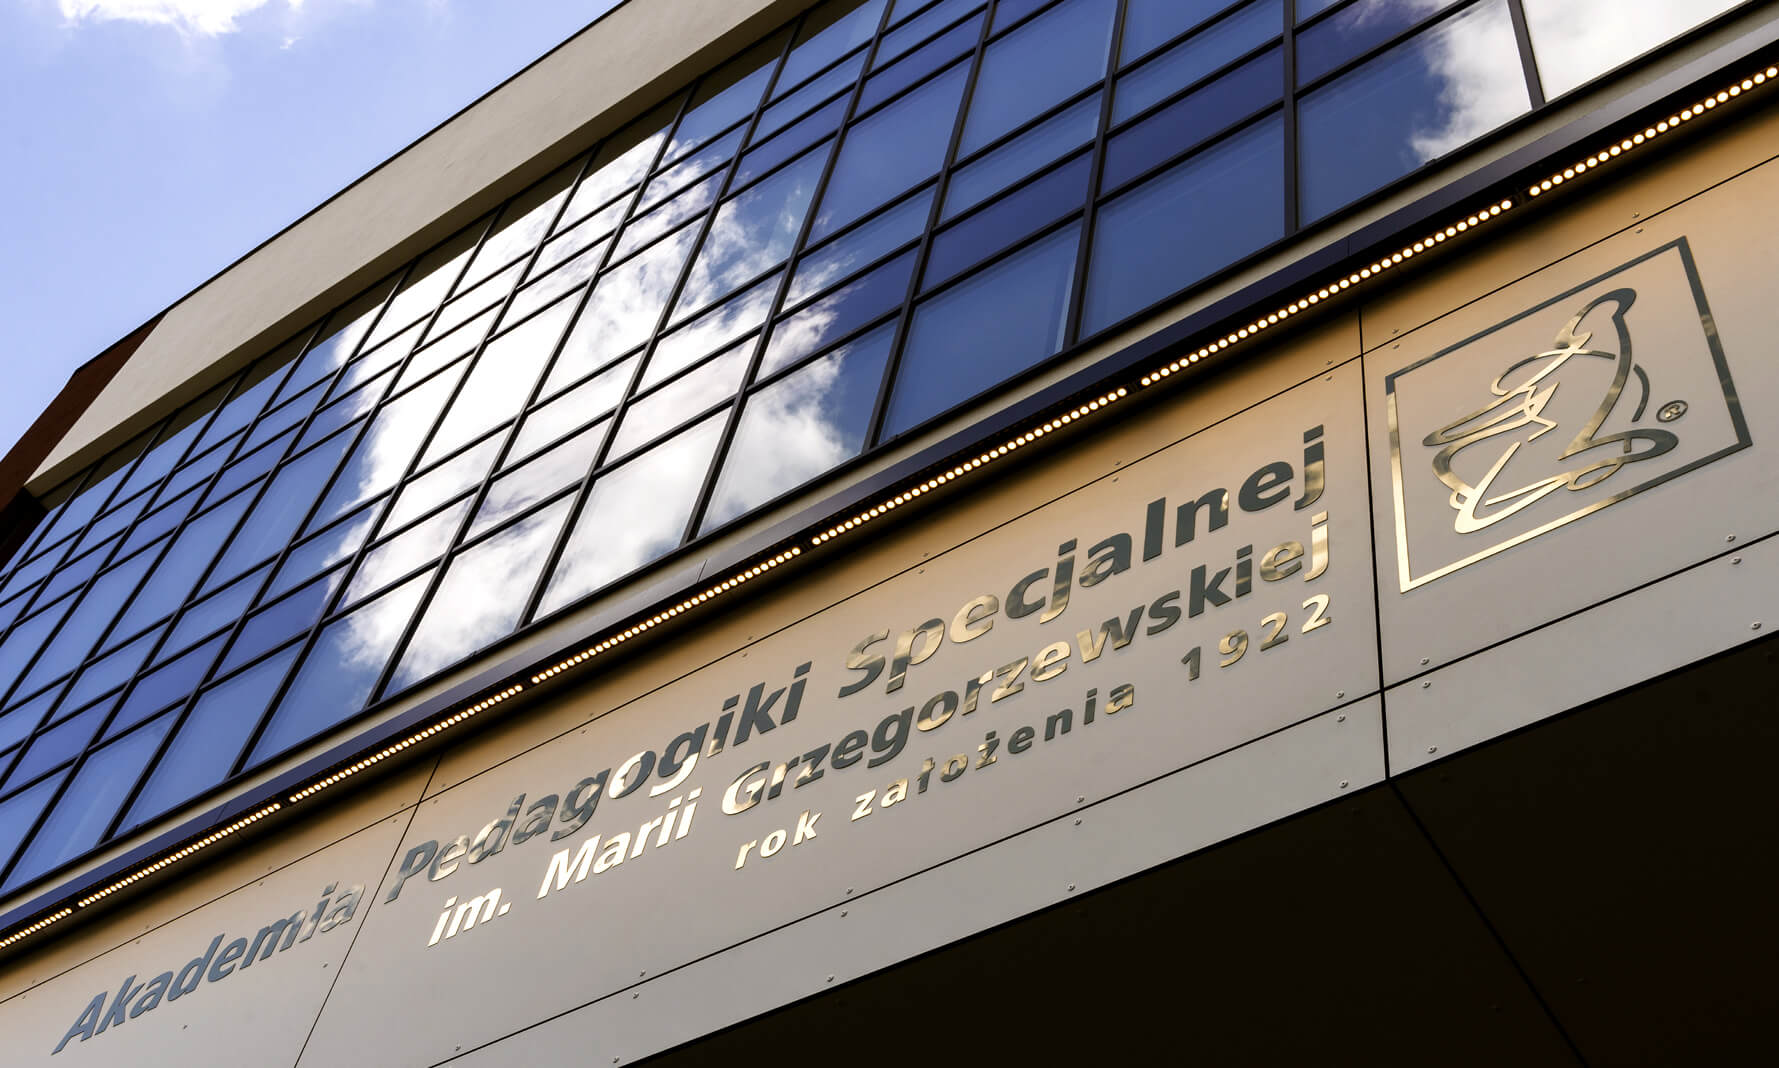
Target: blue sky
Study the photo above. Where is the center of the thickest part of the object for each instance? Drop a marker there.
(150, 143)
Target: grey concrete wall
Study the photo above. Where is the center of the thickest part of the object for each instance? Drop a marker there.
(605, 75)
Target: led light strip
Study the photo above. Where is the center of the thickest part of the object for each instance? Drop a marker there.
(1650, 133)
(203, 843)
(26, 932)
(413, 739)
(667, 613)
(1310, 300)
(1296, 307)
(967, 466)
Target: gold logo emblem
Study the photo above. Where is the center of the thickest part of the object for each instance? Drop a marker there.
(1582, 417)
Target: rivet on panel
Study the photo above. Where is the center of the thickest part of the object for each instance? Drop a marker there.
(1080, 799)
(1754, 626)
(1426, 685)
(1735, 559)
(1077, 823)
(1339, 694)
(1424, 661)
(1340, 718)
(1729, 539)
(1343, 784)
(1071, 888)
(1433, 749)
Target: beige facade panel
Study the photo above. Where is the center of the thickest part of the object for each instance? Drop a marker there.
(179, 964)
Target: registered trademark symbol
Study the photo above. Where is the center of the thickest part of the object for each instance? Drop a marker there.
(1671, 411)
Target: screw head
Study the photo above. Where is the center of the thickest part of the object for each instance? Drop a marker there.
(1338, 695)
(843, 913)
(1729, 539)
(1433, 749)
(1735, 559)
(1343, 784)
(1342, 718)
(1071, 887)
(1080, 799)
(1077, 823)
(1755, 625)
(1426, 685)
(1425, 661)
(830, 978)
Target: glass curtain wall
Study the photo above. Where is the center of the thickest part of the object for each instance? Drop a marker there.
(867, 219)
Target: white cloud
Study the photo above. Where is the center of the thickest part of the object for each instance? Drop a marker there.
(200, 17)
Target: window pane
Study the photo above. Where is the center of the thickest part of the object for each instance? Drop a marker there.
(1049, 140)
(443, 482)
(624, 308)
(891, 151)
(752, 232)
(204, 751)
(172, 682)
(888, 81)
(1363, 25)
(828, 33)
(552, 286)
(578, 406)
(726, 95)
(277, 623)
(905, 37)
(1186, 223)
(584, 234)
(711, 331)
(680, 400)
(19, 812)
(799, 136)
(1578, 40)
(17, 723)
(634, 515)
(501, 382)
(1434, 93)
(89, 804)
(214, 612)
(428, 283)
(420, 544)
(84, 626)
(177, 573)
(338, 340)
(112, 671)
(473, 303)
(695, 166)
(955, 352)
(834, 82)
(879, 237)
(827, 319)
(621, 162)
(336, 678)
(57, 745)
(275, 516)
(1152, 23)
(382, 455)
(807, 423)
(554, 471)
(1032, 207)
(1038, 66)
(1195, 118)
(521, 226)
(481, 597)
(1197, 57)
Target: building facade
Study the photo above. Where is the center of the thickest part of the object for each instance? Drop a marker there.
(1153, 519)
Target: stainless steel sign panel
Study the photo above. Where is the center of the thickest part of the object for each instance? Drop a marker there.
(238, 980)
(1281, 774)
(1570, 436)
(1197, 600)
(1603, 392)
